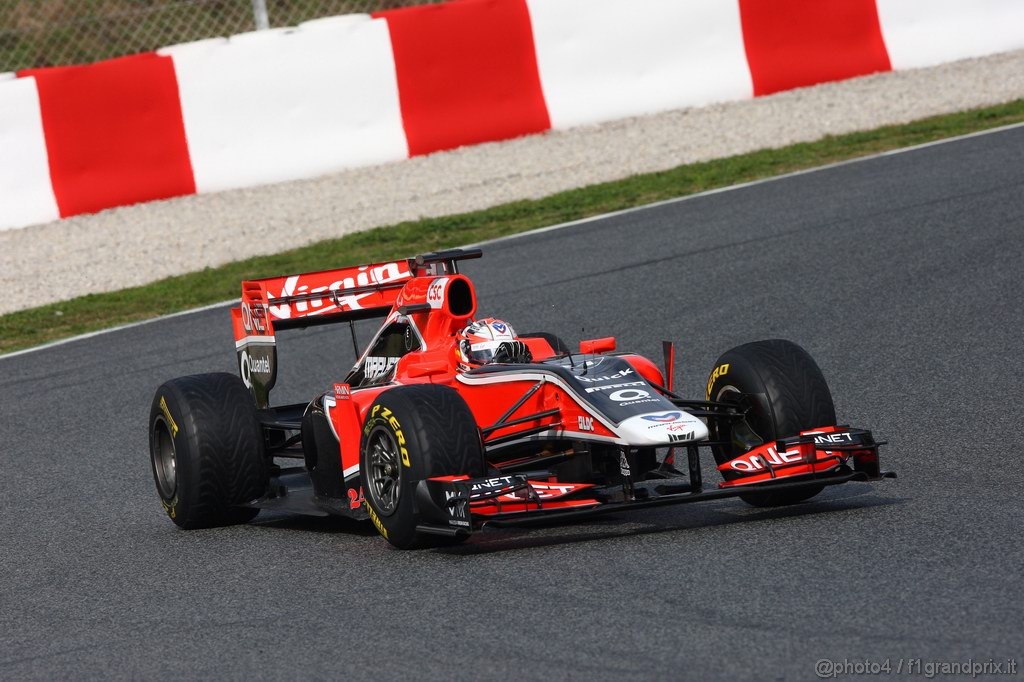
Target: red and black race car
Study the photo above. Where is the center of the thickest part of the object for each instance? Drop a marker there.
(448, 425)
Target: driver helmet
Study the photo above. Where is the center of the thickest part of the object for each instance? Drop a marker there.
(479, 341)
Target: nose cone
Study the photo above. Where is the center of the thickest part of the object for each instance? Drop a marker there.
(674, 427)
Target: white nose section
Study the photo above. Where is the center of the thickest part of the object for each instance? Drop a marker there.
(674, 427)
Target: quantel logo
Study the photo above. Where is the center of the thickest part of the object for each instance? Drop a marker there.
(249, 365)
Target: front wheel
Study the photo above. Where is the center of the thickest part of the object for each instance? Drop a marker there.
(413, 433)
(787, 394)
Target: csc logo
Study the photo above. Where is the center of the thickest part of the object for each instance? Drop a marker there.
(435, 292)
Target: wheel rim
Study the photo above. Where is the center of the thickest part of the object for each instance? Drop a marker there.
(741, 433)
(165, 461)
(385, 475)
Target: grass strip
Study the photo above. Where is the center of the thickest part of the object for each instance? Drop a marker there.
(35, 326)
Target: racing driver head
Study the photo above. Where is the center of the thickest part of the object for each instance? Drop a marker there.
(489, 340)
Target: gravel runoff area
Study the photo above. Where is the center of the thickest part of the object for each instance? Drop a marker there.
(134, 245)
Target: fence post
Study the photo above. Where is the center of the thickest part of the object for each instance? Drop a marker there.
(259, 12)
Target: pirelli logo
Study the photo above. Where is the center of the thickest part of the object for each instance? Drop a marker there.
(719, 371)
(170, 419)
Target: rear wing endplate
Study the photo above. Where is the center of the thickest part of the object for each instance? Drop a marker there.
(325, 297)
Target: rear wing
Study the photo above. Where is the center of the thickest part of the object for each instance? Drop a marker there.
(325, 297)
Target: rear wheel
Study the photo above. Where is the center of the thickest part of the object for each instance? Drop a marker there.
(206, 450)
(413, 433)
(788, 394)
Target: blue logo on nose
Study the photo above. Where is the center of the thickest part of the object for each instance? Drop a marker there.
(663, 418)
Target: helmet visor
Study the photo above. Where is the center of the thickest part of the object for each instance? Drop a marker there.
(482, 353)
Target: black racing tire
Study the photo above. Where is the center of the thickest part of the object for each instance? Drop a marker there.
(795, 394)
(206, 450)
(413, 433)
(557, 344)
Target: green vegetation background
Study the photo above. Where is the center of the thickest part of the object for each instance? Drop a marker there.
(97, 311)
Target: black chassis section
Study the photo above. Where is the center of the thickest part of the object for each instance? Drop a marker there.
(318, 488)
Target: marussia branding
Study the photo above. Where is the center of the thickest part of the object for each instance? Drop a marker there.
(365, 276)
(674, 426)
(665, 418)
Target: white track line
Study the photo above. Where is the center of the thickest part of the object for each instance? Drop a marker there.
(743, 185)
(582, 221)
(131, 325)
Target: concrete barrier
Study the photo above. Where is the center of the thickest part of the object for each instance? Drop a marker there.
(359, 90)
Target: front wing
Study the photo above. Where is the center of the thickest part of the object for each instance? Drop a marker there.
(456, 505)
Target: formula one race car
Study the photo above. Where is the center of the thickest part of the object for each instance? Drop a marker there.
(448, 424)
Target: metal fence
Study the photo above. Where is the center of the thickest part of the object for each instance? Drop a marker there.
(55, 32)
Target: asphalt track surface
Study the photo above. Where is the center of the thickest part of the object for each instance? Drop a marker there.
(901, 274)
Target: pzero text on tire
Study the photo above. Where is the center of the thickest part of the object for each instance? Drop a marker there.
(787, 394)
(206, 449)
(412, 433)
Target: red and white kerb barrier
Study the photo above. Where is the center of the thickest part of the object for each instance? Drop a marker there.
(357, 90)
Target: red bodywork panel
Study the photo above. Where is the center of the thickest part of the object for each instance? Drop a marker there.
(429, 302)
(768, 462)
(544, 495)
(438, 305)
